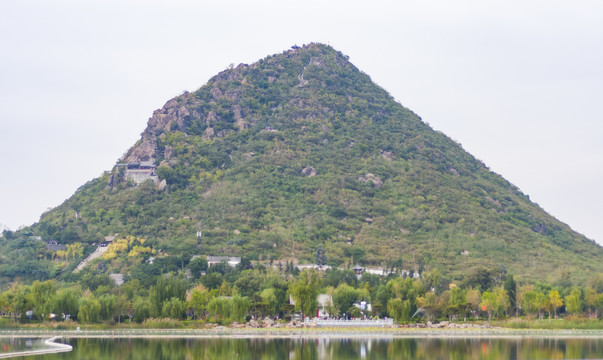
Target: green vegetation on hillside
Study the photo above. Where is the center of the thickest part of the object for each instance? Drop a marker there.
(300, 152)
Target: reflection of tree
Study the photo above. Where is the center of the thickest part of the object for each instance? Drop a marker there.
(335, 349)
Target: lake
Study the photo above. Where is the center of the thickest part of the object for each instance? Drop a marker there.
(325, 347)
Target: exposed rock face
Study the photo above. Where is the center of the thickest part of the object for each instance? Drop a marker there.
(386, 154)
(169, 118)
(208, 134)
(112, 180)
(309, 171)
(216, 93)
(492, 201)
(240, 122)
(540, 228)
(372, 178)
(162, 185)
(168, 152)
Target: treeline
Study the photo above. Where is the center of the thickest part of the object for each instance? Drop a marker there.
(223, 294)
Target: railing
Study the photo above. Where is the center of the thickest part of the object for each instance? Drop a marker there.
(351, 323)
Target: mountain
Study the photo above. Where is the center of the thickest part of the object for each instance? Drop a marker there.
(301, 151)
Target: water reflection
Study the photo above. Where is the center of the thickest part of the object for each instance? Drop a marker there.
(8, 345)
(332, 348)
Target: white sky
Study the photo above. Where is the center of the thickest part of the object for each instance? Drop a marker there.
(518, 83)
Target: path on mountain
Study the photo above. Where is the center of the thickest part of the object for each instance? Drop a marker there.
(97, 253)
(302, 82)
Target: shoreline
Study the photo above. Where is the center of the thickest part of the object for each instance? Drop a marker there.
(330, 333)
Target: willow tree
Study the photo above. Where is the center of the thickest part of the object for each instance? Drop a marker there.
(304, 291)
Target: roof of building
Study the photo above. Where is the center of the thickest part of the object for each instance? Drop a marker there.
(324, 300)
(118, 278)
(147, 163)
(222, 258)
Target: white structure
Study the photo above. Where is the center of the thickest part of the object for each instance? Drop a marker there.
(324, 302)
(232, 261)
(141, 172)
(312, 266)
(375, 271)
(364, 306)
(117, 278)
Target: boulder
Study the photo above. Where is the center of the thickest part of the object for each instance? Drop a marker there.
(309, 171)
(208, 134)
(252, 323)
(387, 155)
(372, 178)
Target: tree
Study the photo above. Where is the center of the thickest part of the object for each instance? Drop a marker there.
(531, 302)
(541, 301)
(510, 287)
(399, 310)
(382, 297)
(502, 301)
(167, 287)
(42, 297)
(196, 266)
(344, 297)
(220, 307)
(132, 289)
(480, 278)
(249, 282)
(107, 306)
(122, 307)
(304, 291)
(270, 297)
(240, 306)
(212, 280)
(474, 299)
(15, 300)
(142, 309)
(457, 303)
(198, 300)
(591, 301)
(430, 305)
(89, 310)
(174, 308)
(573, 303)
(554, 302)
(488, 303)
(334, 277)
(405, 288)
(67, 301)
(225, 289)
(320, 259)
(432, 279)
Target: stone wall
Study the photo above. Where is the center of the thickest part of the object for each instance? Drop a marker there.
(140, 176)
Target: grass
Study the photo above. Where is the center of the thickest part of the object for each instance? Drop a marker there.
(568, 323)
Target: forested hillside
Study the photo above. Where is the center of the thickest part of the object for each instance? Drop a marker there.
(298, 152)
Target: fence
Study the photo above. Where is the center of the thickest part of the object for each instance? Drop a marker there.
(351, 323)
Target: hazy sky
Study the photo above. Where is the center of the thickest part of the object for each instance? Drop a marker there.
(518, 83)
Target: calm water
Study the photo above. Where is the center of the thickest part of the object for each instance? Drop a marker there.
(20, 344)
(323, 348)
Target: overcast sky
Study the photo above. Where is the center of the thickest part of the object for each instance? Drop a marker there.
(518, 83)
